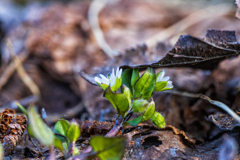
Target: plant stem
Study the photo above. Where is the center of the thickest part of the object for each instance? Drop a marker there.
(113, 132)
(70, 149)
(116, 127)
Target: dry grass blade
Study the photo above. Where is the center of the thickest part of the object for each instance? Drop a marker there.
(195, 17)
(22, 73)
(95, 7)
(11, 68)
(216, 103)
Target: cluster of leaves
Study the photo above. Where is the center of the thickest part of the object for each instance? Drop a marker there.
(65, 134)
(131, 93)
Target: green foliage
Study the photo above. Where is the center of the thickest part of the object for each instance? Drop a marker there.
(108, 148)
(145, 85)
(127, 93)
(119, 101)
(160, 86)
(75, 151)
(58, 144)
(73, 131)
(126, 78)
(61, 127)
(1, 152)
(158, 120)
(139, 106)
(103, 85)
(38, 128)
(135, 121)
(149, 111)
(136, 92)
(134, 77)
(21, 108)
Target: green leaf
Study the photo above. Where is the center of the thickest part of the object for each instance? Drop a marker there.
(30, 131)
(119, 101)
(65, 145)
(1, 152)
(127, 93)
(135, 121)
(135, 76)
(149, 111)
(160, 85)
(21, 108)
(58, 144)
(61, 128)
(139, 106)
(158, 120)
(126, 78)
(108, 148)
(75, 151)
(73, 131)
(115, 85)
(103, 85)
(164, 89)
(159, 74)
(145, 85)
(39, 129)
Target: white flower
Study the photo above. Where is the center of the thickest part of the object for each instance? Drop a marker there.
(161, 82)
(102, 82)
(115, 80)
(161, 75)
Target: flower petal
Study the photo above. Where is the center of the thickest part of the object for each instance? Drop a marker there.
(161, 75)
(98, 80)
(112, 78)
(117, 70)
(119, 74)
(169, 85)
(104, 79)
(165, 78)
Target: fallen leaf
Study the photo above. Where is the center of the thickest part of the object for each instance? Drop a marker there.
(90, 128)
(224, 121)
(199, 53)
(191, 52)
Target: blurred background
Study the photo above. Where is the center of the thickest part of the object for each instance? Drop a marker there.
(54, 40)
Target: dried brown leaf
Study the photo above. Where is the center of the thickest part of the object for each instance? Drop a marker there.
(199, 53)
(224, 121)
(90, 128)
(176, 131)
(192, 52)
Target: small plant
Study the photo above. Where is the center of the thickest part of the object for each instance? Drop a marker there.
(131, 93)
(65, 134)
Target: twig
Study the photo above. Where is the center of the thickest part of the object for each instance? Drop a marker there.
(216, 103)
(193, 18)
(11, 68)
(95, 7)
(22, 73)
